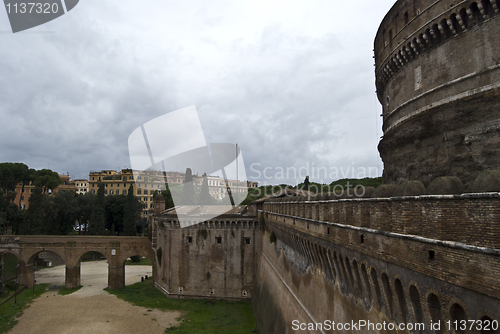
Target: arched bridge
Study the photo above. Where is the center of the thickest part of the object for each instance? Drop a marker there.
(71, 250)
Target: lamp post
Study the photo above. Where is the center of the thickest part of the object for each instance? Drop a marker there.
(34, 280)
(15, 290)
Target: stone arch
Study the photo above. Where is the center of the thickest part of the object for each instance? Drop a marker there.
(129, 254)
(453, 24)
(388, 295)
(359, 284)
(347, 283)
(376, 287)
(444, 28)
(488, 8)
(457, 313)
(355, 290)
(475, 13)
(398, 287)
(58, 252)
(331, 264)
(436, 33)
(416, 303)
(14, 260)
(366, 282)
(486, 320)
(434, 305)
(462, 15)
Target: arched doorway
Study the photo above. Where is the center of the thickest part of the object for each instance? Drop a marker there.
(8, 274)
(48, 268)
(93, 272)
(137, 268)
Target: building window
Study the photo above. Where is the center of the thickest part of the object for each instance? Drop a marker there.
(432, 255)
(218, 239)
(139, 192)
(145, 192)
(247, 241)
(22, 198)
(190, 239)
(124, 192)
(105, 192)
(118, 192)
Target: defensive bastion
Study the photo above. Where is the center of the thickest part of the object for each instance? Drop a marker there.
(438, 78)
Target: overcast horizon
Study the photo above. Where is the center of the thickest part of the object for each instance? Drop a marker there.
(292, 83)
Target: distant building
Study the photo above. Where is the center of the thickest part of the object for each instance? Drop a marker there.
(23, 194)
(118, 182)
(82, 186)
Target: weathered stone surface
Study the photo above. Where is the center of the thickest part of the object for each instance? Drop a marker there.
(445, 185)
(410, 188)
(385, 190)
(440, 90)
(487, 181)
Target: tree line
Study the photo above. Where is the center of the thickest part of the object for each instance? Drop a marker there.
(63, 212)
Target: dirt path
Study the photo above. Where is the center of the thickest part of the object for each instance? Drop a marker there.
(90, 309)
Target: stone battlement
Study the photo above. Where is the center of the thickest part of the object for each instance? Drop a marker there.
(469, 219)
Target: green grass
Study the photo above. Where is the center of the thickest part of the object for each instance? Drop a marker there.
(143, 262)
(9, 265)
(10, 311)
(202, 316)
(63, 291)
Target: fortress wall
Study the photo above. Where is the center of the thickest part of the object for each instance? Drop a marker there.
(474, 217)
(345, 272)
(215, 259)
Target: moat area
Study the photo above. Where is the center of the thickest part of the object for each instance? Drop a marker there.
(91, 309)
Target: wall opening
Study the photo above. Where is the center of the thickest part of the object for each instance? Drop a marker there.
(367, 284)
(93, 270)
(457, 313)
(358, 279)
(434, 306)
(355, 289)
(376, 286)
(417, 306)
(388, 295)
(137, 268)
(432, 255)
(398, 286)
(489, 326)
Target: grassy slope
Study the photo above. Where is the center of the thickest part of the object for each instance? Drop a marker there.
(10, 311)
(202, 316)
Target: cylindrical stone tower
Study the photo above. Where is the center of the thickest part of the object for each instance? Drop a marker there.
(438, 79)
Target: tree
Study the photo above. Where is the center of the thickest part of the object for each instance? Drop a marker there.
(97, 222)
(205, 197)
(115, 213)
(130, 215)
(187, 197)
(46, 179)
(11, 174)
(37, 213)
(64, 212)
(167, 196)
(85, 203)
(305, 186)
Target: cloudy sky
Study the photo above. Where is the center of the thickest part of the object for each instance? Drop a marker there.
(292, 82)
